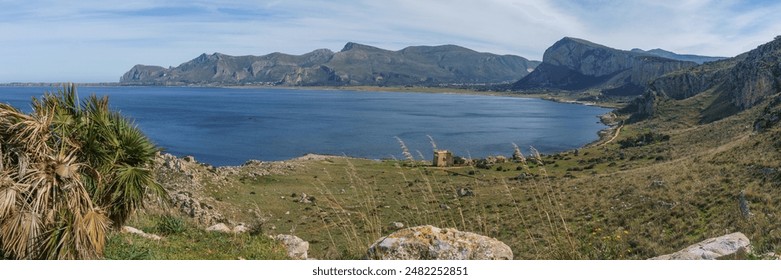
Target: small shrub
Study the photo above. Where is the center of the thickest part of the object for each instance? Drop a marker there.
(457, 160)
(643, 139)
(590, 166)
(168, 225)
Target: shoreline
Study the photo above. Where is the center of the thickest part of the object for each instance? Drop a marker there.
(603, 134)
(559, 97)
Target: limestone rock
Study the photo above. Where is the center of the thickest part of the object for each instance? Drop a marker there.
(738, 83)
(432, 243)
(770, 117)
(726, 246)
(296, 247)
(462, 192)
(396, 226)
(219, 227)
(576, 64)
(183, 180)
(201, 212)
(141, 233)
(241, 228)
(304, 198)
(356, 64)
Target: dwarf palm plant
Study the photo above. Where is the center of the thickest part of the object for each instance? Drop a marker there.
(68, 171)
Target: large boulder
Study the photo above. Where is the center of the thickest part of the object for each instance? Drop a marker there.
(296, 247)
(432, 243)
(729, 246)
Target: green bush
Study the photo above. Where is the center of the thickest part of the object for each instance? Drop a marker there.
(168, 225)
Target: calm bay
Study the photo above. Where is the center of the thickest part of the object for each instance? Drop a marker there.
(228, 126)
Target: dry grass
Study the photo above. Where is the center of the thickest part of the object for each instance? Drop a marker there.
(601, 202)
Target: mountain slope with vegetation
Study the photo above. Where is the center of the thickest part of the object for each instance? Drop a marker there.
(661, 183)
(734, 84)
(355, 64)
(699, 158)
(578, 65)
(699, 59)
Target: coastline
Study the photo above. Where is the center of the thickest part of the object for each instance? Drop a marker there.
(607, 119)
(560, 97)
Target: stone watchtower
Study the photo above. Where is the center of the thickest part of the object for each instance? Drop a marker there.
(443, 158)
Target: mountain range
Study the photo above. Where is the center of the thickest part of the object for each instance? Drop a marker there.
(577, 65)
(571, 64)
(733, 84)
(355, 64)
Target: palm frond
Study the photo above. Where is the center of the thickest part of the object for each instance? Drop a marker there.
(20, 232)
(68, 171)
(128, 190)
(93, 231)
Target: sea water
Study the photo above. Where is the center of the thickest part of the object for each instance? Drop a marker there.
(228, 126)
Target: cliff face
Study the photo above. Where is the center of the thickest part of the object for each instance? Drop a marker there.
(143, 72)
(755, 77)
(225, 69)
(576, 64)
(355, 64)
(738, 83)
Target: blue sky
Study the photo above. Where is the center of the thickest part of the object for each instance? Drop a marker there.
(98, 40)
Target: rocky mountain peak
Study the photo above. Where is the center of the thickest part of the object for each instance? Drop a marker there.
(577, 64)
(586, 57)
(738, 83)
(355, 64)
(208, 57)
(578, 41)
(322, 52)
(356, 46)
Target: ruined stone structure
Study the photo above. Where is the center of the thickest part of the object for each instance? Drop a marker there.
(443, 158)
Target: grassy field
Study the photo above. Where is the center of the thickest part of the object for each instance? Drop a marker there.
(182, 240)
(660, 186)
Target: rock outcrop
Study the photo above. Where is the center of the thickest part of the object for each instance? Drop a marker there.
(729, 246)
(770, 117)
(355, 64)
(737, 83)
(182, 179)
(755, 77)
(296, 247)
(132, 230)
(190, 184)
(220, 227)
(576, 64)
(432, 243)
